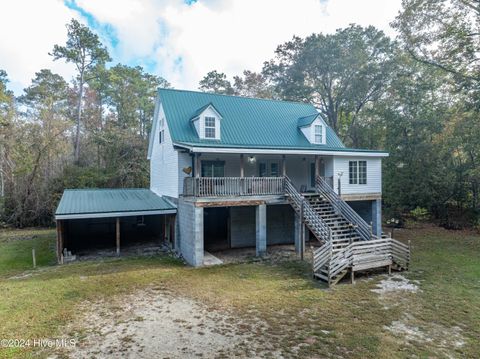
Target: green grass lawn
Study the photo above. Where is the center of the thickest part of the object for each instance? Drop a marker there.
(347, 321)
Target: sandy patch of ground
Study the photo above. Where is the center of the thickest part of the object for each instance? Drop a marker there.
(155, 324)
(396, 290)
(444, 339)
(395, 286)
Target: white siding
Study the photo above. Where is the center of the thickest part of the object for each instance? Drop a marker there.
(184, 161)
(374, 175)
(163, 161)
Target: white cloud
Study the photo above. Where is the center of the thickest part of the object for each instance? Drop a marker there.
(230, 35)
(29, 30)
(227, 35)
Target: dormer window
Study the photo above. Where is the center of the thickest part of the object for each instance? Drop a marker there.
(313, 128)
(210, 129)
(207, 122)
(318, 134)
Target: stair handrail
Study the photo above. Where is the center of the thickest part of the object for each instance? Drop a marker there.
(309, 213)
(362, 227)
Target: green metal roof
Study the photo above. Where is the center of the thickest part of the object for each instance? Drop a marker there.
(102, 202)
(307, 120)
(203, 108)
(246, 122)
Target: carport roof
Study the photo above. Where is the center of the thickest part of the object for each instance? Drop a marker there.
(97, 203)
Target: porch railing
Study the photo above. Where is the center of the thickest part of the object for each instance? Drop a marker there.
(233, 186)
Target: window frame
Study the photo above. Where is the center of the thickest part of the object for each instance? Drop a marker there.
(357, 172)
(210, 127)
(362, 172)
(315, 134)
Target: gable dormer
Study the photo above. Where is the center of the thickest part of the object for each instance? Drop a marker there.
(206, 121)
(314, 129)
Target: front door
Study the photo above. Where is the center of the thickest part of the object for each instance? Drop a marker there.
(269, 168)
(312, 172)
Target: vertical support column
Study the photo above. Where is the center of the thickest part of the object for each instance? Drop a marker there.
(302, 231)
(198, 240)
(172, 231)
(261, 229)
(242, 166)
(60, 235)
(298, 233)
(198, 167)
(284, 166)
(377, 217)
(117, 235)
(317, 166)
(242, 174)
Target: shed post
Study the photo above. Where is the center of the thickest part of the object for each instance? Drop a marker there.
(117, 235)
(59, 241)
(172, 231)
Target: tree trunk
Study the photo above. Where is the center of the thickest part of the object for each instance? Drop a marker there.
(79, 117)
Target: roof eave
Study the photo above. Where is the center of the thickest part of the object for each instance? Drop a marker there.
(113, 214)
(292, 151)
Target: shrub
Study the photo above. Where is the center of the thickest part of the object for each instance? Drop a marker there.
(419, 214)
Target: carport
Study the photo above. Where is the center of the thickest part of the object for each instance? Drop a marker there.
(110, 218)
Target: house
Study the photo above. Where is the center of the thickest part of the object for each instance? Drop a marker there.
(248, 172)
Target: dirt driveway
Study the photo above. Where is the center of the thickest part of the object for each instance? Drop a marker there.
(154, 324)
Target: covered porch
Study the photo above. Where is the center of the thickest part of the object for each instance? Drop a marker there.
(233, 175)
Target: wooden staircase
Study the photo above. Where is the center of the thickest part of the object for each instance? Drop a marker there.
(343, 231)
(348, 242)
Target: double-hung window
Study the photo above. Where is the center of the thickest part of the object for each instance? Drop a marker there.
(318, 133)
(357, 172)
(362, 172)
(210, 127)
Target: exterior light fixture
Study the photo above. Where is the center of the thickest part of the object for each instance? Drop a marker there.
(251, 159)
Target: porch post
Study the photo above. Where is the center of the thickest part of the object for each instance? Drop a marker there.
(242, 166)
(197, 165)
(261, 229)
(117, 235)
(284, 166)
(317, 166)
(377, 217)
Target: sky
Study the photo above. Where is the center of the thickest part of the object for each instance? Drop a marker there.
(180, 40)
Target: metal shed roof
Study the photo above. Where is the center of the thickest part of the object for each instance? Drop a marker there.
(98, 203)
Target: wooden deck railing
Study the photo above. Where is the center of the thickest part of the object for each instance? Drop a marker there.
(331, 266)
(326, 190)
(233, 186)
